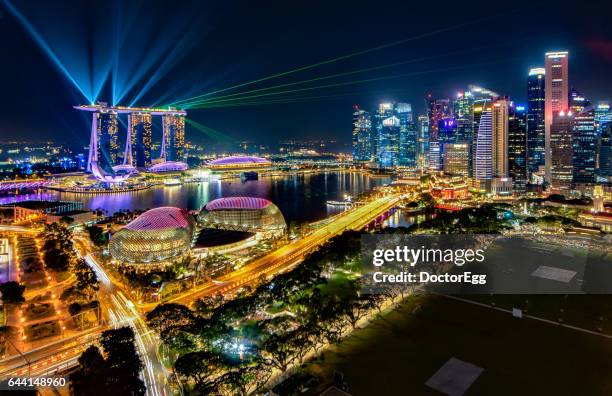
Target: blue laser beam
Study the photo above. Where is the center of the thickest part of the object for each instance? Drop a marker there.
(47, 49)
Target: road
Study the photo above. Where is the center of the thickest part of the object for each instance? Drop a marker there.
(49, 358)
(288, 255)
(121, 311)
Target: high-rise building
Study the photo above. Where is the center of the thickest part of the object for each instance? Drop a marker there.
(483, 159)
(603, 116)
(456, 156)
(140, 125)
(535, 119)
(388, 142)
(557, 97)
(517, 147)
(435, 155)
(407, 135)
(362, 131)
(577, 101)
(173, 143)
(584, 147)
(561, 148)
(423, 142)
(462, 110)
(108, 134)
(499, 137)
(437, 109)
(385, 110)
(604, 170)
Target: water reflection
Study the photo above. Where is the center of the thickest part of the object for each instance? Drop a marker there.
(300, 197)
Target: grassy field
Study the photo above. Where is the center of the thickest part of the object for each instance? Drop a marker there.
(398, 353)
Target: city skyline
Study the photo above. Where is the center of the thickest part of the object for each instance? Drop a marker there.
(496, 63)
(238, 198)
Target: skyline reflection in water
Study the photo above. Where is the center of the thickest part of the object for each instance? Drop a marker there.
(300, 197)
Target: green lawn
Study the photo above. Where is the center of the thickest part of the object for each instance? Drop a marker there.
(397, 354)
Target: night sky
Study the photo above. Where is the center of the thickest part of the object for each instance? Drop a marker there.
(187, 48)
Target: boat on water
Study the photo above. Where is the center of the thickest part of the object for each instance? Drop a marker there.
(172, 182)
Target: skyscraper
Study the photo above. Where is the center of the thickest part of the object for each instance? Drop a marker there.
(385, 110)
(557, 97)
(499, 137)
(517, 147)
(603, 116)
(456, 157)
(141, 139)
(483, 159)
(437, 109)
(108, 146)
(423, 142)
(462, 110)
(362, 139)
(577, 101)
(584, 147)
(561, 146)
(605, 153)
(407, 135)
(388, 142)
(535, 119)
(173, 143)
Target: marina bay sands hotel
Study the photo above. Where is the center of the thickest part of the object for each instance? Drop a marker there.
(104, 148)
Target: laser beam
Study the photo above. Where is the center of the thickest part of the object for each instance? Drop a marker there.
(347, 56)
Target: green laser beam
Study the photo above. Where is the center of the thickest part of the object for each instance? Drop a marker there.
(358, 81)
(380, 67)
(210, 132)
(347, 56)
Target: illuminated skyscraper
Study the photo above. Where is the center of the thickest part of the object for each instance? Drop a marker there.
(605, 153)
(483, 160)
(141, 139)
(107, 139)
(173, 143)
(584, 147)
(499, 137)
(423, 142)
(603, 116)
(561, 146)
(385, 110)
(388, 142)
(517, 147)
(577, 101)
(456, 156)
(557, 97)
(407, 135)
(464, 115)
(362, 131)
(535, 119)
(437, 109)
(435, 155)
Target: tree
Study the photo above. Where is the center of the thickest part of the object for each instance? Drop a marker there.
(87, 284)
(166, 316)
(247, 380)
(90, 377)
(356, 309)
(122, 362)
(12, 292)
(279, 351)
(425, 200)
(302, 343)
(96, 234)
(203, 367)
(58, 250)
